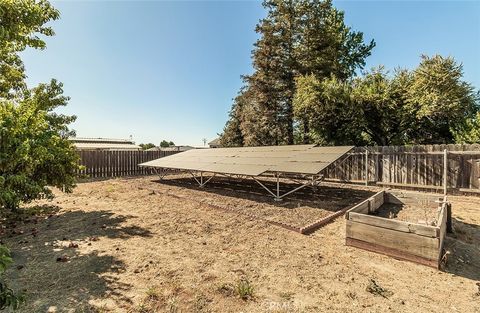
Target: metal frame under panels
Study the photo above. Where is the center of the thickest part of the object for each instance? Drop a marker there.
(166, 171)
(200, 182)
(277, 196)
(313, 181)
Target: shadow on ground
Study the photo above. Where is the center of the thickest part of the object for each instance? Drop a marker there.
(313, 196)
(464, 248)
(58, 274)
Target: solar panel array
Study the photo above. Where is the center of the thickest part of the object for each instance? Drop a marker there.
(254, 161)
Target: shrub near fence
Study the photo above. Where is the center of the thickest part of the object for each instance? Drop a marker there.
(104, 164)
(412, 166)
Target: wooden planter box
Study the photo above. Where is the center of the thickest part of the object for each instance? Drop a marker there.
(403, 240)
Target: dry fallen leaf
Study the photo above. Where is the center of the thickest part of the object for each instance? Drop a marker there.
(63, 258)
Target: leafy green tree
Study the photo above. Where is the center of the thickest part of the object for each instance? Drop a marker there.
(381, 102)
(328, 107)
(166, 144)
(34, 148)
(146, 146)
(21, 23)
(468, 131)
(422, 106)
(8, 299)
(440, 100)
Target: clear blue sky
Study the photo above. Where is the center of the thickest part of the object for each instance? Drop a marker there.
(169, 70)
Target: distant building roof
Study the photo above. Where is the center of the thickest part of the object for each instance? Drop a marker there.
(101, 140)
(172, 148)
(103, 144)
(177, 148)
(215, 143)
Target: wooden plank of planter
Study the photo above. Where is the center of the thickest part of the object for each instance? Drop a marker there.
(362, 207)
(443, 228)
(422, 246)
(390, 252)
(449, 218)
(366, 206)
(422, 230)
(376, 201)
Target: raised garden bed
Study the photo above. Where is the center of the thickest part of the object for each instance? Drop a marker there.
(406, 226)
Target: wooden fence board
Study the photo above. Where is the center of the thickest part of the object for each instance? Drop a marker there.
(105, 164)
(412, 166)
(401, 166)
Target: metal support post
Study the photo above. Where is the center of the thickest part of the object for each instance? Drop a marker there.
(278, 198)
(366, 167)
(201, 182)
(445, 171)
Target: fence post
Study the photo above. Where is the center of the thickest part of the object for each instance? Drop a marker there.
(366, 166)
(449, 218)
(445, 171)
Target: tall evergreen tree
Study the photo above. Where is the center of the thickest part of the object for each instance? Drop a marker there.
(232, 134)
(298, 37)
(266, 114)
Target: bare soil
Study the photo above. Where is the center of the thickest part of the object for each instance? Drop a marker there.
(245, 196)
(420, 213)
(138, 245)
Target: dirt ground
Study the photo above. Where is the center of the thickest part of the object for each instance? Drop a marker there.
(138, 245)
(245, 196)
(420, 213)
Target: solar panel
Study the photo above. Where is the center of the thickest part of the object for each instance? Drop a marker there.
(254, 161)
(239, 169)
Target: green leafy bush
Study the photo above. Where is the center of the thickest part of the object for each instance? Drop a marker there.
(8, 299)
(34, 148)
(469, 130)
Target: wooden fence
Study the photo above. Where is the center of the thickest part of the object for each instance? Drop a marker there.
(104, 164)
(419, 167)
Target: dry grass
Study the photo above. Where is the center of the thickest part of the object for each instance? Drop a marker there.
(138, 251)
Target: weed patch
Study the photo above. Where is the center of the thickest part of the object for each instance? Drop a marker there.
(375, 289)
